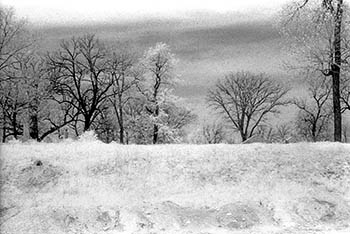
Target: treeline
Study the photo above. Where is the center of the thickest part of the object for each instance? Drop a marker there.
(86, 84)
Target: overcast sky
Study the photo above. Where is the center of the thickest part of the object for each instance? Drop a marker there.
(65, 11)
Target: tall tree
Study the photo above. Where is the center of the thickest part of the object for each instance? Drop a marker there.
(328, 17)
(121, 68)
(246, 99)
(157, 80)
(79, 77)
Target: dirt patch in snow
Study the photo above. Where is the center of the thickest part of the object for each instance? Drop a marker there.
(231, 216)
(93, 220)
(242, 216)
(37, 175)
(319, 210)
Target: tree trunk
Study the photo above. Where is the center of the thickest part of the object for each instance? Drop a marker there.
(121, 134)
(336, 72)
(14, 125)
(121, 124)
(34, 126)
(156, 127)
(313, 131)
(87, 124)
(4, 127)
(243, 136)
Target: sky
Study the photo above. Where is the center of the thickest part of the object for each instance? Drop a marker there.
(66, 11)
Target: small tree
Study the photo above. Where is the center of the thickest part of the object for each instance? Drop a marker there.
(246, 99)
(315, 113)
(138, 127)
(212, 133)
(283, 133)
(172, 119)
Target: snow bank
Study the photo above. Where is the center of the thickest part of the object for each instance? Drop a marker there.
(90, 187)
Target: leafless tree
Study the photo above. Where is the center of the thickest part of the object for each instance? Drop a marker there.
(14, 38)
(314, 115)
(138, 127)
(173, 119)
(345, 93)
(328, 18)
(79, 77)
(27, 103)
(13, 104)
(213, 133)
(246, 100)
(283, 133)
(121, 68)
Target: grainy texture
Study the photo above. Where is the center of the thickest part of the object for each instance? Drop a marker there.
(91, 187)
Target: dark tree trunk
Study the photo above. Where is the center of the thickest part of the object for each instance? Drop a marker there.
(336, 71)
(313, 132)
(14, 125)
(87, 124)
(156, 127)
(34, 127)
(3, 127)
(121, 123)
(121, 135)
(244, 137)
(336, 105)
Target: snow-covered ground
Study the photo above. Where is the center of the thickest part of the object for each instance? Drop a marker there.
(91, 187)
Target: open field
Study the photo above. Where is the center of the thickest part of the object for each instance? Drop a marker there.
(91, 187)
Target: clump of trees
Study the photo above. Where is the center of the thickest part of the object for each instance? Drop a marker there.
(317, 35)
(87, 85)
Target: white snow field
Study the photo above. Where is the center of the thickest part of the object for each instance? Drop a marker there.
(90, 187)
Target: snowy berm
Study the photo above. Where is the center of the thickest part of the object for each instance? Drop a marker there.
(92, 187)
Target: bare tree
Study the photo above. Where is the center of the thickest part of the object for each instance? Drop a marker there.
(174, 118)
(246, 100)
(314, 115)
(213, 133)
(14, 38)
(138, 128)
(13, 105)
(121, 68)
(345, 93)
(27, 103)
(79, 77)
(283, 133)
(328, 24)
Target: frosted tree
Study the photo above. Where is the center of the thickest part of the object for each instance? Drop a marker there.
(317, 34)
(156, 83)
